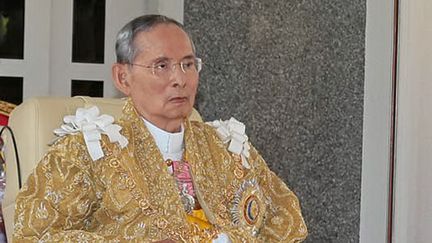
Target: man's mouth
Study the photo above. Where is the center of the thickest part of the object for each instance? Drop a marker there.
(178, 99)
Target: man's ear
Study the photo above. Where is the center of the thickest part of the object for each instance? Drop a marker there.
(120, 75)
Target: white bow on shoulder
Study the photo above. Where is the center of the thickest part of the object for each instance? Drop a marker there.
(92, 125)
(233, 132)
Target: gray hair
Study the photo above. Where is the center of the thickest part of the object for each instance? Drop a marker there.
(125, 48)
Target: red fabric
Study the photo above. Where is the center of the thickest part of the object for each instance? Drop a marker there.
(3, 120)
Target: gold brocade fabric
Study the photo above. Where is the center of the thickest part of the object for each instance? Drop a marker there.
(128, 195)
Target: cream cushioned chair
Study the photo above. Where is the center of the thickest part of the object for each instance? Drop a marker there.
(33, 123)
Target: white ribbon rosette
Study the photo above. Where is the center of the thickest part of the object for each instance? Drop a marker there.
(92, 125)
(233, 132)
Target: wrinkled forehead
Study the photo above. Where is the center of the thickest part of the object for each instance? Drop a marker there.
(163, 40)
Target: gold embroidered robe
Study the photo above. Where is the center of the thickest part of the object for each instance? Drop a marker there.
(128, 195)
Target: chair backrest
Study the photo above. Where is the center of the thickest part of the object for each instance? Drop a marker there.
(33, 123)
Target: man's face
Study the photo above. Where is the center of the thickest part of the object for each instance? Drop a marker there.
(162, 99)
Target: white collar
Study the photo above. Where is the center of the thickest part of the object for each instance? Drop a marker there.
(168, 143)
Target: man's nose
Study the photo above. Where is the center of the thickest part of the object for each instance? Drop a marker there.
(178, 77)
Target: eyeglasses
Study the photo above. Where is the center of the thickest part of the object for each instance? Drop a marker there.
(164, 68)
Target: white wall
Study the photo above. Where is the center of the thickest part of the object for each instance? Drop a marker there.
(413, 196)
(377, 122)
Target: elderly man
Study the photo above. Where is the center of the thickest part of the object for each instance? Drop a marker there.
(162, 177)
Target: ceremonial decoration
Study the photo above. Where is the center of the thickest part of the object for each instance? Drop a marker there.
(248, 207)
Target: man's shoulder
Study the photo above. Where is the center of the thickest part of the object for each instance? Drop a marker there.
(73, 140)
(70, 148)
(201, 126)
(204, 130)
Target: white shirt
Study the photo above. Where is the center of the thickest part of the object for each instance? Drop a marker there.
(171, 145)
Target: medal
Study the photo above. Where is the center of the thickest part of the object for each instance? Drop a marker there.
(187, 200)
(248, 207)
